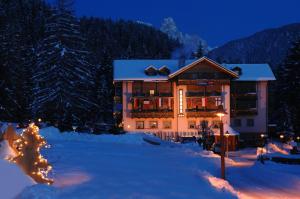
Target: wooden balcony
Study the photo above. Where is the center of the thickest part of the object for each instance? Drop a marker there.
(248, 111)
(155, 95)
(201, 112)
(202, 94)
(152, 114)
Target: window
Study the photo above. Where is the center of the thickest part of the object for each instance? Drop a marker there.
(180, 101)
(167, 124)
(237, 122)
(139, 124)
(152, 92)
(250, 122)
(153, 124)
(192, 124)
(218, 101)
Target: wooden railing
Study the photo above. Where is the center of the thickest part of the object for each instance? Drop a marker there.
(201, 112)
(152, 114)
(155, 95)
(199, 94)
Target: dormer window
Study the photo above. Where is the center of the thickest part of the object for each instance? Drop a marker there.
(151, 71)
(164, 70)
(237, 70)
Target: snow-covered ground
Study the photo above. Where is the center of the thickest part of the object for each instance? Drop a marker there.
(12, 178)
(124, 166)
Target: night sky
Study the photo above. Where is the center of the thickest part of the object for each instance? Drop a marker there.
(216, 21)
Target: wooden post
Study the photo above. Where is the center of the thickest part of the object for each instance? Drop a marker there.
(222, 151)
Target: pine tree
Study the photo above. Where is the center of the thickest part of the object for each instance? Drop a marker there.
(200, 51)
(21, 26)
(63, 76)
(289, 89)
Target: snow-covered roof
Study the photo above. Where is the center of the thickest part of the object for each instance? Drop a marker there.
(228, 128)
(135, 70)
(253, 72)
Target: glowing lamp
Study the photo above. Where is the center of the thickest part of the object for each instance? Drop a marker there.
(281, 136)
(227, 134)
(220, 112)
(74, 128)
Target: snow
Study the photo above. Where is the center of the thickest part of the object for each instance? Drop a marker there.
(125, 166)
(228, 128)
(134, 70)
(12, 180)
(253, 72)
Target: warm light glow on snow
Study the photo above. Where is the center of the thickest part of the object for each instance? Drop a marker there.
(220, 184)
(70, 179)
(277, 149)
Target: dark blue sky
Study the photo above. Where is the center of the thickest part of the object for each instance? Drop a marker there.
(216, 21)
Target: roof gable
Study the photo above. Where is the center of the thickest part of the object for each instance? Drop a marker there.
(151, 70)
(164, 70)
(201, 60)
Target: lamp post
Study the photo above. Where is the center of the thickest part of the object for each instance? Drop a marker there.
(281, 138)
(220, 113)
(263, 143)
(227, 137)
(74, 128)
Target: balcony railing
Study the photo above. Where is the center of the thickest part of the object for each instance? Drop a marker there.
(200, 94)
(155, 95)
(248, 111)
(201, 112)
(162, 113)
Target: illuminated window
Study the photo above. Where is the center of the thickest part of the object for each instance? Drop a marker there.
(192, 124)
(139, 124)
(167, 124)
(152, 92)
(153, 124)
(180, 101)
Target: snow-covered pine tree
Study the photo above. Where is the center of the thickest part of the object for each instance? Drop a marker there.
(289, 88)
(11, 62)
(63, 77)
(21, 24)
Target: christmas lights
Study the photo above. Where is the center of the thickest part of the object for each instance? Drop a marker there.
(27, 147)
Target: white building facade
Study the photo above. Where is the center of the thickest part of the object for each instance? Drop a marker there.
(174, 97)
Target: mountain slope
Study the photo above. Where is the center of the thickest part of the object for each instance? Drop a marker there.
(268, 46)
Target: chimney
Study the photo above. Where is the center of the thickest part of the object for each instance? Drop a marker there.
(237, 70)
